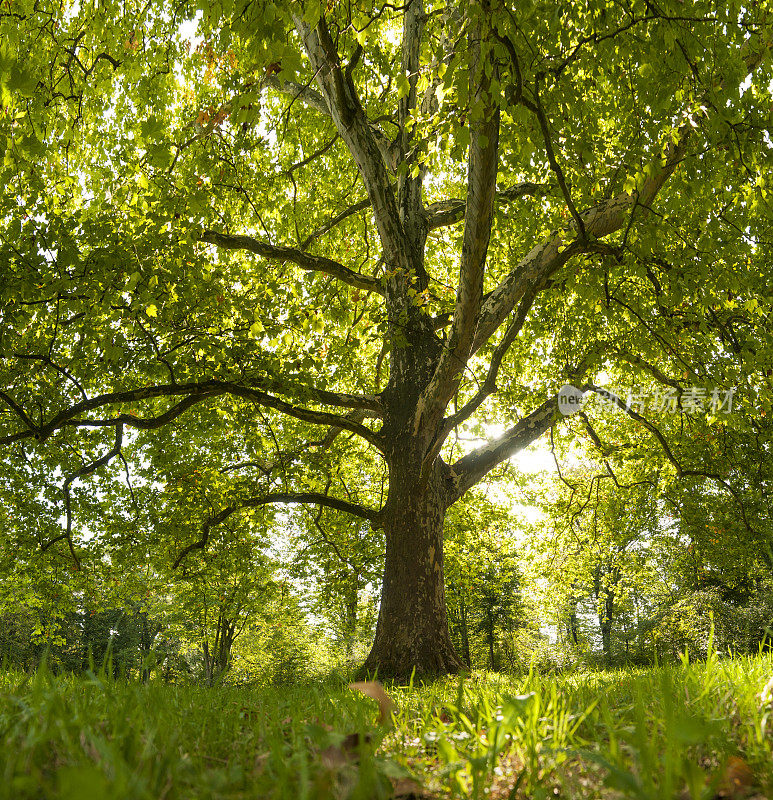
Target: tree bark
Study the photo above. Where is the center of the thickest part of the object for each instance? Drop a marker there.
(605, 597)
(351, 587)
(412, 634)
(217, 661)
(490, 638)
(148, 633)
(463, 630)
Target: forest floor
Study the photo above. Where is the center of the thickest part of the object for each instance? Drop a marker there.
(685, 731)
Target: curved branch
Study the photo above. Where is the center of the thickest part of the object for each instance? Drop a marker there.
(313, 498)
(197, 392)
(19, 411)
(537, 109)
(285, 457)
(46, 359)
(599, 221)
(657, 374)
(449, 212)
(488, 386)
(681, 471)
(307, 415)
(87, 469)
(304, 260)
(142, 423)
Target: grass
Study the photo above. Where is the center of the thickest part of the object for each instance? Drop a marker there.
(684, 731)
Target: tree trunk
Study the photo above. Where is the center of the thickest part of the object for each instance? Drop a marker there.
(606, 630)
(148, 633)
(605, 598)
(218, 660)
(227, 636)
(606, 640)
(208, 665)
(412, 634)
(572, 623)
(490, 637)
(463, 629)
(352, 583)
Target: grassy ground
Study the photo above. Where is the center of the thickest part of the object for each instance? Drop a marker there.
(688, 731)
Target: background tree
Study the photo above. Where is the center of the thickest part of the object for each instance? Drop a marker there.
(483, 582)
(221, 592)
(338, 559)
(637, 559)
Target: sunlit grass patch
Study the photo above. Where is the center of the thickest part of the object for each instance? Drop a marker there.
(684, 731)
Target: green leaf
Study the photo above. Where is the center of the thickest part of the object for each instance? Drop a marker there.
(403, 85)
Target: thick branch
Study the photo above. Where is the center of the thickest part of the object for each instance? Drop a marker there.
(19, 411)
(409, 192)
(197, 392)
(545, 258)
(307, 415)
(304, 260)
(350, 120)
(528, 429)
(469, 469)
(481, 188)
(142, 423)
(598, 222)
(449, 212)
(489, 386)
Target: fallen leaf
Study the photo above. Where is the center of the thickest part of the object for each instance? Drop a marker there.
(737, 779)
(334, 758)
(408, 789)
(375, 690)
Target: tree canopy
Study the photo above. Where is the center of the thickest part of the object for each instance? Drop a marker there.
(260, 253)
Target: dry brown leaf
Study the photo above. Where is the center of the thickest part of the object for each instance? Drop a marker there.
(375, 690)
(737, 779)
(334, 758)
(408, 789)
(260, 762)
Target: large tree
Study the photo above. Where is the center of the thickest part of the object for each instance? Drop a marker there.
(357, 219)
